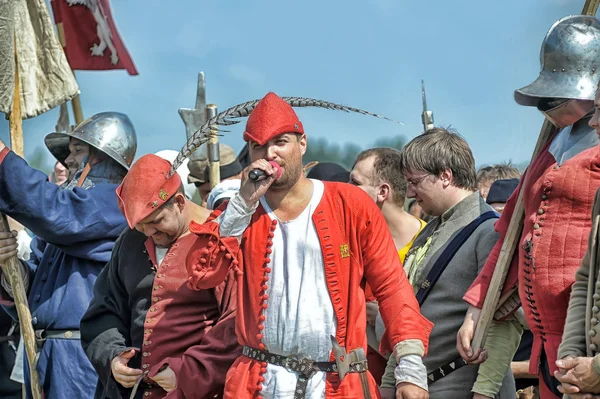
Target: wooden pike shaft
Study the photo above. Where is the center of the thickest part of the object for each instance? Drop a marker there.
(75, 101)
(590, 7)
(11, 267)
(77, 111)
(511, 240)
(513, 234)
(215, 173)
(213, 149)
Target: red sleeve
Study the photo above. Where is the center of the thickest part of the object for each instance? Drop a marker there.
(3, 153)
(211, 256)
(369, 297)
(476, 294)
(201, 370)
(385, 275)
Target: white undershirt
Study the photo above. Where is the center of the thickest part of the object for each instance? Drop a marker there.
(160, 254)
(301, 318)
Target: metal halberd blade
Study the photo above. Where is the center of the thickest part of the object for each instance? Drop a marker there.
(342, 359)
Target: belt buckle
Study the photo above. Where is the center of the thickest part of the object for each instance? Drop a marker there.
(40, 337)
(303, 366)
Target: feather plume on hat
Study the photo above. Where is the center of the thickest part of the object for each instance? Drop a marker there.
(230, 117)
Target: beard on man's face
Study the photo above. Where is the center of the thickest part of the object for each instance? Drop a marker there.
(290, 176)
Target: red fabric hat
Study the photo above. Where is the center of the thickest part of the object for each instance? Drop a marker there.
(146, 187)
(271, 117)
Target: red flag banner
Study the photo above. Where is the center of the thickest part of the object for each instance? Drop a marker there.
(92, 41)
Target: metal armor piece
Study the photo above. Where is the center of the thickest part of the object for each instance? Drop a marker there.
(344, 361)
(426, 115)
(570, 59)
(568, 112)
(110, 132)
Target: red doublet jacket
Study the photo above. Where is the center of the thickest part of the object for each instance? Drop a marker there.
(190, 331)
(356, 244)
(558, 202)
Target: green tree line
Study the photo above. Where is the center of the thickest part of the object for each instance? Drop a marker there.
(322, 150)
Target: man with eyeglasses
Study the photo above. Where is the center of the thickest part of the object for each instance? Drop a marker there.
(443, 261)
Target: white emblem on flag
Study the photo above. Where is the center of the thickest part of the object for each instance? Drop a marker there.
(102, 29)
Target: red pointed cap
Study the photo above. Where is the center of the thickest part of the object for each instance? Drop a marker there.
(146, 187)
(271, 117)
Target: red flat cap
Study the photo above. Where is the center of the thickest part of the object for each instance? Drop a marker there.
(271, 117)
(146, 187)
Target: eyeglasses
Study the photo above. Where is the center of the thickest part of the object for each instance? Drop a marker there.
(418, 181)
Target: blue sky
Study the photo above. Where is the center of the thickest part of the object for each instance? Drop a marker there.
(370, 54)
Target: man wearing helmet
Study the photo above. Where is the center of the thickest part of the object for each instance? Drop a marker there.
(558, 191)
(75, 229)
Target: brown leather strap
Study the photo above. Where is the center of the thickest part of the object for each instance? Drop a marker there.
(84, 174)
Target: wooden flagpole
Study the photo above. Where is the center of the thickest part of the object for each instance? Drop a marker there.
(15, 122)
(513, 234)
(75, 101)
(11, 267)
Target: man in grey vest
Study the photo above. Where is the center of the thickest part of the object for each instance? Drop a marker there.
(443, 261)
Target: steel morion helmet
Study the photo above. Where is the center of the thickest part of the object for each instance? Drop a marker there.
(109, 132)
(570, 62)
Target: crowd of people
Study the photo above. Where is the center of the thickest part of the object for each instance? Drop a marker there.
(312, 281)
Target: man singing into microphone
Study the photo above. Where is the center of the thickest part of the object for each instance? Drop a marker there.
(307, 248)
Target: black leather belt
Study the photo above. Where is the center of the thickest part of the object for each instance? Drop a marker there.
(444, 370)
(302, 365)
(42, 335)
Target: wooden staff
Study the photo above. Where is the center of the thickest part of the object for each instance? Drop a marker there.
(11, 267)
(513, 233)
(75, 101)
(214, 159)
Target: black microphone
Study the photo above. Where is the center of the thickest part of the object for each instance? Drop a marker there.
(257, 175)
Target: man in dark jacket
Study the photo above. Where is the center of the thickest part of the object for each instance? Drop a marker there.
(145, 330)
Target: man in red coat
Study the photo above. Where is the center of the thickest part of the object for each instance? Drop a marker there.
(558, 193)
(302, 250)
(144, 326)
